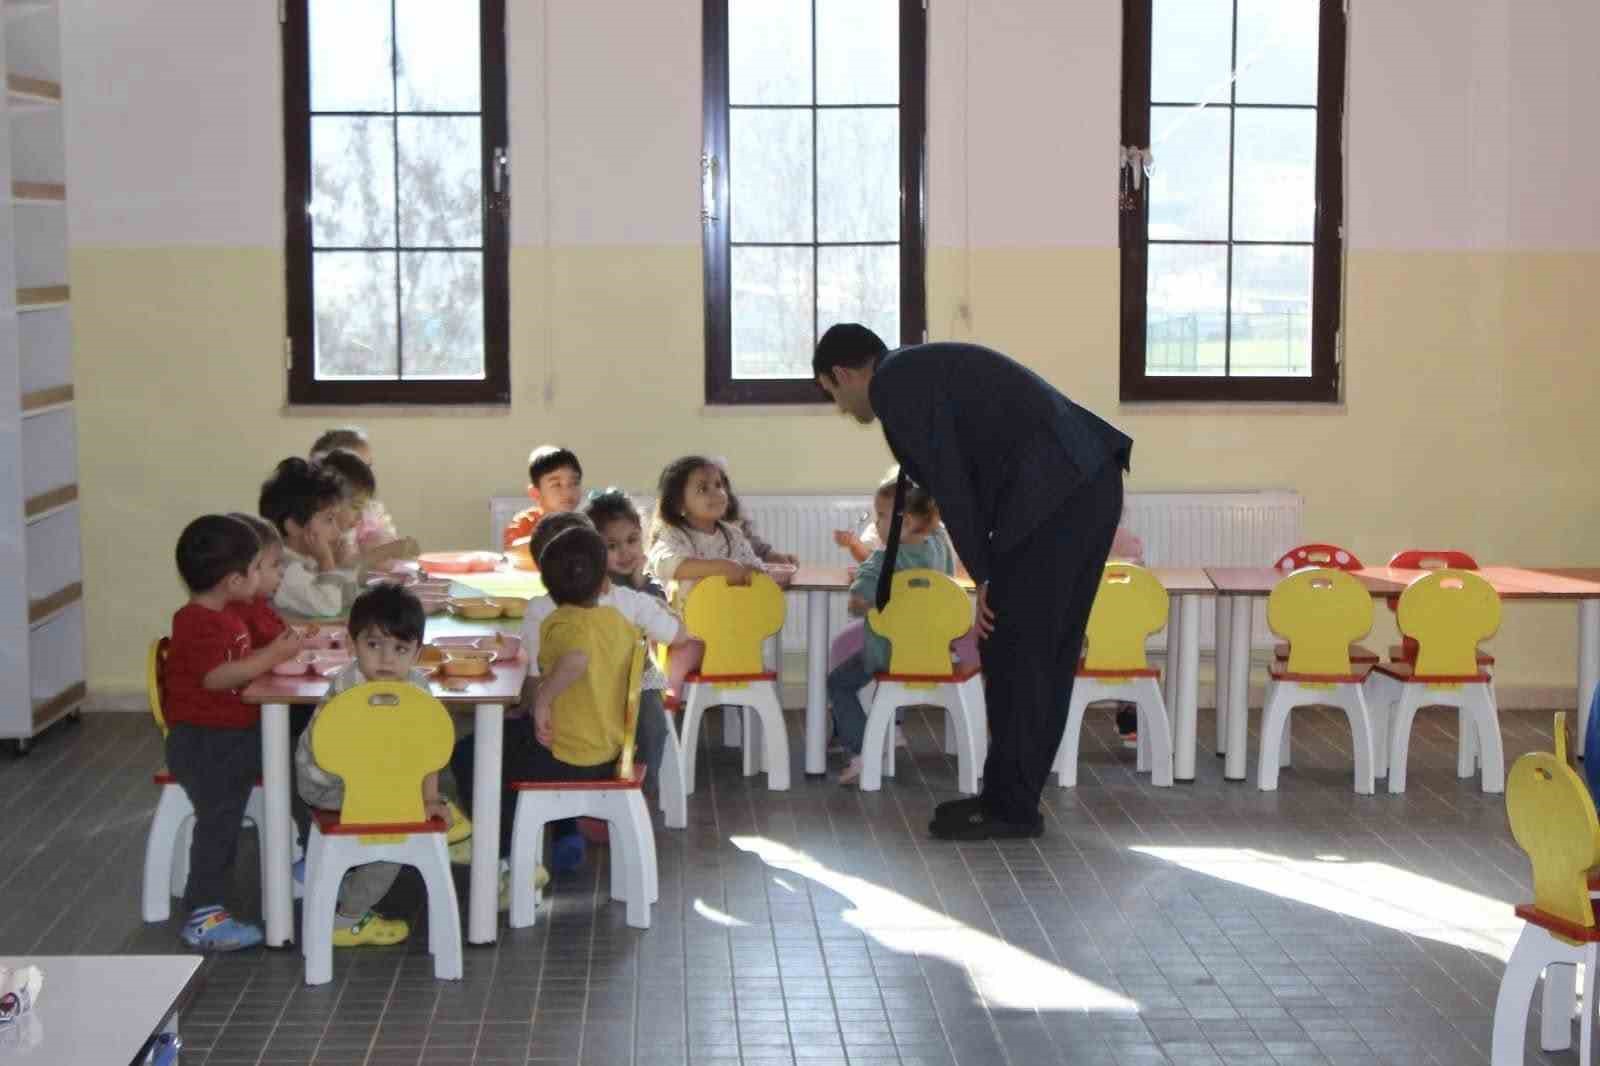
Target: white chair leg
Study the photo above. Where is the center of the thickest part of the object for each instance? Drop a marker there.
(952, 744)
(958, 729)
(527, 848)
(1286, 745)
(645, 852)
(1533, 951)
(618, 857)
(1224, 626)
(444, 911)
(1361, 738)
(1141, 745)
(1405, 713)
(316, 857)
(1486, 721)
(1083, 691)
(976, 709)
(1560, 997)
(317, 909)
(670, 785)
(1281, 699)
(1586, 1024)
(694, 709)
(878, 735)
(161, 853)
(773, 734)
(1154, 724)
(750, 753)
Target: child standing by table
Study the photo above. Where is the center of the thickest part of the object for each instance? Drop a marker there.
(214, 737)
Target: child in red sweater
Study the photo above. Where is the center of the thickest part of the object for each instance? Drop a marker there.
(214, 737)
(259, 616)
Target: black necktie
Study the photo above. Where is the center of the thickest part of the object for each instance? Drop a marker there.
(891, 549)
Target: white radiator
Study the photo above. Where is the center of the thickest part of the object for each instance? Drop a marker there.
(1178, 529)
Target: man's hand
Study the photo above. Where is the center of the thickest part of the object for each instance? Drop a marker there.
(984, 623)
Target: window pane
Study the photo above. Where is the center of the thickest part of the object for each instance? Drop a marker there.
(441, 182)
(1275, 175)
(438, 60)
(858, 175)
(355, 330)
(858, 52)
(351, 56)
(774, 295)
(1191, 50)
(442, 314)
(1277, 52)
(769, 175)
(1189, 180)
(352, 182)
(1271, 312)
(860, 284)
(1186, 320)
(769, 51)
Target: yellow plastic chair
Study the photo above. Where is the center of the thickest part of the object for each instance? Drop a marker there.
(733, 621)
(926, 611)
(382, 739)
(166, 845)
(635, 876)
(1131, 604)
(1447, 613)
(1321, 613)
(1553, 819)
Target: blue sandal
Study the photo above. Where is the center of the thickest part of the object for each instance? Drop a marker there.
(214, 929)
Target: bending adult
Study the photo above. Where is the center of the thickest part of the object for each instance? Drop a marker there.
(1029, 485)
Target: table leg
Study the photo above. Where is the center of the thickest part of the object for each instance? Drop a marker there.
(1588, 663)
(1188, 671)
(1221, 671)
(483, 893)
(1174, 623)
(816, 683)
(1239, 610)
(277, 908)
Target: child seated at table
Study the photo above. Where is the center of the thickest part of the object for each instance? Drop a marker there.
(920, 549)
(374, 525)
(214, 738)
(735, 515)
(691, 539)
(258, 614)
(580, 695)
(303, 502)
(555, 484)
(357, 485)
(386, 625)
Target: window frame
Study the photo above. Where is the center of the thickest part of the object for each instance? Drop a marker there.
(303, 385)
(721, 387)
(1324, 383)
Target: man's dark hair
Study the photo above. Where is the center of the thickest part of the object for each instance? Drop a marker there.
(346, 437)
(573, 565)
(612, 505)
(547, 459)
(354, 475)
(392, 610)
(297, 490)
(212, 547)
(847, 344)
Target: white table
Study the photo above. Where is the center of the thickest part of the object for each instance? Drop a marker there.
(98, 1010)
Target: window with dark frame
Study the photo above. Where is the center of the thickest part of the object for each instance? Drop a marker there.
(813, 175)
(1232, 203)
(397, 200)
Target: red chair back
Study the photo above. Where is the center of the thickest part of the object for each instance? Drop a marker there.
(1419, 559)
(1327, 556)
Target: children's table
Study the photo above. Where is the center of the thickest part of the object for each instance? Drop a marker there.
(96, 1010)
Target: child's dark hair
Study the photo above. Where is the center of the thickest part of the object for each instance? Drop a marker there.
(265, 531)
(732, 514)
(392, 610)
(297, 490)
(612, 505)
(546, 459)
(345, 437)
(573, 564)
(671, 488)
(212, 547)
(355, 476)
(919, 501)
(551, 525)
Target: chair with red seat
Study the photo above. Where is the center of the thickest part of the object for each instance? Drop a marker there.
(1321, 612)
(1329, 557)
(166, 846)
(1424, 559)
(1130, 605)
(926, 612)
(618, 802)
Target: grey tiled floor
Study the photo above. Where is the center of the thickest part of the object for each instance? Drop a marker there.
(1200, 924)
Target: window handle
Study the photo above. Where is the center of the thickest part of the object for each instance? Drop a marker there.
(708, 188)
(499, 168)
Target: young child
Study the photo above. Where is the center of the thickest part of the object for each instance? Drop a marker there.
(764, 551)
(214, 737)
(303, 502)
(374, 525)
(690, 539)
(357, 485)
(258, 615)
(555, 484)
(386, 626)
(579, 699)
(920, 548)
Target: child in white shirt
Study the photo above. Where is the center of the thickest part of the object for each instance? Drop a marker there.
(303, 502)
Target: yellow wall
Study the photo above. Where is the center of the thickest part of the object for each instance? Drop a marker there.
(1468, 419)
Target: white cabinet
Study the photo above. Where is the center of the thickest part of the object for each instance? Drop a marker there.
(41, 557)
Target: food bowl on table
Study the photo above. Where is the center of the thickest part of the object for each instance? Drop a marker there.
(404, 579)
(782, 573)
(505, 646)
(458, 562)
(467, 662)
(520, 555)
(328, 663)
(433, 602)
(511, 606)
(399, 566)
(430, 657)
(480, 609)
(297, 666)
(431, 586)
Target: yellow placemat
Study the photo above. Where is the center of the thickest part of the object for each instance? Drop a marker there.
(524, 583)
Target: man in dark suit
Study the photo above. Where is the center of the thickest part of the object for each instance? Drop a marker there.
(1029, 485)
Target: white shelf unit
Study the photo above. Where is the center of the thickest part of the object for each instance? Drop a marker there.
(41, 557)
